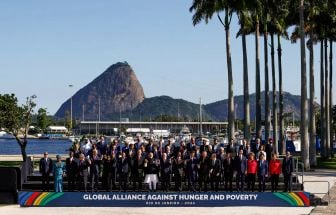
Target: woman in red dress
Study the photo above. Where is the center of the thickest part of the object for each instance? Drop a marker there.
(274, 171)
(252, 167)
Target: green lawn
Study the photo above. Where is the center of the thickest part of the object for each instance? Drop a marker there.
(10, 163)
(326, 164)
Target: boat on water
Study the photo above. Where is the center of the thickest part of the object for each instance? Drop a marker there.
(185, 133)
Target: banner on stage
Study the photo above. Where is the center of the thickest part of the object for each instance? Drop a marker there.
(157, 199)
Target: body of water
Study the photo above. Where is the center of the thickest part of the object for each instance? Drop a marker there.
(35, 146)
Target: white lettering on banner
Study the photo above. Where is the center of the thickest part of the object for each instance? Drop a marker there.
(170, 197)
(188, 197)
(114, 197)
(164, 197)
(241, 197)
(217, 197)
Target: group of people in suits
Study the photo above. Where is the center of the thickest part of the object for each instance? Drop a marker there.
(57, 168)
(135, 163)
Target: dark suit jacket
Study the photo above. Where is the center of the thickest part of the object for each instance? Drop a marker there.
(204, 167)
(166, 167)
(269, 150)
(215, 166)
(229, 148)
(123, 165)
(192, 167)
(46, 166)
(240, 165)
(191, 147)
(287, 165)
(71, 167)
(228, 167)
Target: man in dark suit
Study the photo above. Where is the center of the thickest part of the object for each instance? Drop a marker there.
(123, 170)
(45, 165)
(83, 172)
(166, 170)
(230, 147)
(256, 146)
(136, 166)
(191, 146)
(71, 165)
(215, 170)
(192, 171)
(287, 169)
(228, 167)
(203, 171)
(150, 146)
(269, 149)
(241, 170)
(205, 146)
(95, 169)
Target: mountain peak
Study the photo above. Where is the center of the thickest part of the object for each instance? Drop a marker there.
(117, 88)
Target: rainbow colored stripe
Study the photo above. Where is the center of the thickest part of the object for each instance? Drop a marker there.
(298, 199)
(29, 199)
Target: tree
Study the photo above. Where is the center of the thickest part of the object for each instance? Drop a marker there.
(204, 10)
(16, 119)
(42, 118)
(265, 20)
(304, 105)
(245, 21)
(256, 13)
(334, 119)
(278, 11)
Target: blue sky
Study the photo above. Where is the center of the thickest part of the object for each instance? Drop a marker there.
(46, 45)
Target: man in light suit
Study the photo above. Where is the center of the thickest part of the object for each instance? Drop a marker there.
(45, 169)
(83, 172)
(95, 169)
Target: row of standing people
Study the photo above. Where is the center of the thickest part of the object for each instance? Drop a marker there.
(149, 164)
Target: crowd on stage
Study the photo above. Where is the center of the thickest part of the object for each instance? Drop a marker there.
(174, 166)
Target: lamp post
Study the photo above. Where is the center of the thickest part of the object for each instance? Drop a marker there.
(70, 86)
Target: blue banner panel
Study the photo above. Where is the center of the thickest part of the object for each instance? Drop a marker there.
(167, 199)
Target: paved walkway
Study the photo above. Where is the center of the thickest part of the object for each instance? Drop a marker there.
(331, 208)
(318, 175)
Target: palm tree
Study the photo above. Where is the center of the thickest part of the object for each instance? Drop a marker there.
(204, 10)
(304, 105)
(245, 22)
(256, 13)
(281, 109)
(265, 20)
(277, 26)
(322, 112)
(312, 129)
(331, 102)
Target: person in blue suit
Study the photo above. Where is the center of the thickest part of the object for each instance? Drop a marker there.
(262, 172)
(241, 170)
(192, 171)
(58, 172)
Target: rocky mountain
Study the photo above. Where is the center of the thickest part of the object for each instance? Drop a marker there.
(117, 89)
(121, 95)
(154, 107)
(218, 110)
